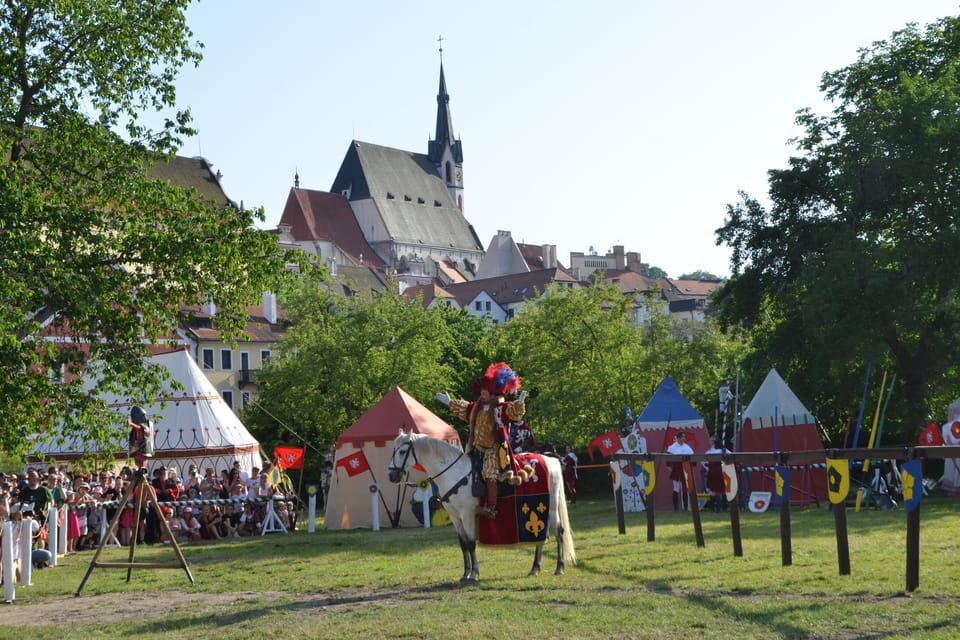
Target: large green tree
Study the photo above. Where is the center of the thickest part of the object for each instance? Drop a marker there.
(92, 249)
(857, 258)
(584, 358)
(341, 355)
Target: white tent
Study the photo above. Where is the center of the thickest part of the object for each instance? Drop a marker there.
(193, 424)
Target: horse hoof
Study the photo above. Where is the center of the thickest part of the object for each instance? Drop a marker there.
(534, 572)
(558, 572)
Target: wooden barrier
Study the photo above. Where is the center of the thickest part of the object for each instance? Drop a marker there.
(784, 458)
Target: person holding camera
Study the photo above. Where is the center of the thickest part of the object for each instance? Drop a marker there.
(38, 495)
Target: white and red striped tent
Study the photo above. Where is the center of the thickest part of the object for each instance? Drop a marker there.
(192, 424)
(776, 420)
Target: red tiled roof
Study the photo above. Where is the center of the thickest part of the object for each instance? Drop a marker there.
(319, 215)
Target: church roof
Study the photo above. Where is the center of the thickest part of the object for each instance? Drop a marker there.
(412, 199)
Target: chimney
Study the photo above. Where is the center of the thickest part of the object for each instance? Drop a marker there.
(270, 307)
(633, 261)
(618, 256)
(209, 307)
(549, 256)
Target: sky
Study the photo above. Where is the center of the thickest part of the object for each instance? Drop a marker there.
(583, 125)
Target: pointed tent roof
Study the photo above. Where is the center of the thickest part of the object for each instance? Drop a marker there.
(396, 410)
(668, 407)
(774, 396)
(192, 424)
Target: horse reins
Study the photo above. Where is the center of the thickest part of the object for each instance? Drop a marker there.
(456, 487)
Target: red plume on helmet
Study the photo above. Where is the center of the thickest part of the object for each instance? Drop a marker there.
(500, 379)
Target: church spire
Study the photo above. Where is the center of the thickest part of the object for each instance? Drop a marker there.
(444, 150)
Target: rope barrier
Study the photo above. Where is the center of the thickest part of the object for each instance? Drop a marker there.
(185, 503)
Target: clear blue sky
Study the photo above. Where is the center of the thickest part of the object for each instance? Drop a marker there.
(583, 124)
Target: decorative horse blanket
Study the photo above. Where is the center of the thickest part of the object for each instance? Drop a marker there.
(523, 512)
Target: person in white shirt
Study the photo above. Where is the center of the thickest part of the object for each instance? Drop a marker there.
(680, 494)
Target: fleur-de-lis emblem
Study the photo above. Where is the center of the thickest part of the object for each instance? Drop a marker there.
(535, 525)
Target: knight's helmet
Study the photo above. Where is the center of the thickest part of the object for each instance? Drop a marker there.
(139, 417)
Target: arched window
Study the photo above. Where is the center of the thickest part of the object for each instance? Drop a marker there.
(448, 169)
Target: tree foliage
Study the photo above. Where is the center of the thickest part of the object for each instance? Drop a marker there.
(341, 356)
(583, 358)
(856, 260)
(92, 249)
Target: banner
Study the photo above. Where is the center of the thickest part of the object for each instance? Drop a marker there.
(288, 457)
(608, 443)
(781, 485)
(838, 480)
(729, 480)
(354, 463)
(930, 437)
(912, 474)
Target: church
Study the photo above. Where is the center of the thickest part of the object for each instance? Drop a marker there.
(400, 213)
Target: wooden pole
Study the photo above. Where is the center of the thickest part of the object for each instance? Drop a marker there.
(843, 548)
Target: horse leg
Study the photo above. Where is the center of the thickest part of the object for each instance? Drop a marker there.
(471, 570)
(537, 561)
(560, 563)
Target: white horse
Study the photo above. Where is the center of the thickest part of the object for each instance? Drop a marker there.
(450, 469)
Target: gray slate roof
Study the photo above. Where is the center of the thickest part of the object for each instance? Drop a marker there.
(413, 200)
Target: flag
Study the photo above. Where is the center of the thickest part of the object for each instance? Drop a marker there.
(781, 484)
(288, 457)
(930, 437)
(912, 484)
(729, 480)
(354, 463)
(608, 443)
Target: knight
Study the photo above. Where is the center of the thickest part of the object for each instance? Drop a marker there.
(489, 417)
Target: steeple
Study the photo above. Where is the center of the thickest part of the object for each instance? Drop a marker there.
(444, 150)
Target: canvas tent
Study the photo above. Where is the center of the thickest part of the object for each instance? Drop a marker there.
(369, 442)
(193, 425)
(776, 420)
(668, 409)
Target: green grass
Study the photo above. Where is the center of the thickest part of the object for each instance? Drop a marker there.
(405, 584)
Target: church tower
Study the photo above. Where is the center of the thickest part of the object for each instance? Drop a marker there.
(444, 151)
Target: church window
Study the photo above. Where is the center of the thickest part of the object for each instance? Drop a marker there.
(448, 169)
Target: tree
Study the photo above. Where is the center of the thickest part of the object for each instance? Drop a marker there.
(92, 249)
(652, 272)
(341, 355)
(857, 258)
(699, 274)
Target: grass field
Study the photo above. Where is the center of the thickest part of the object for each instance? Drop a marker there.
(405, 584)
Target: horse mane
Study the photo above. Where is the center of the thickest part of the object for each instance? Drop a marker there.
(434, 446)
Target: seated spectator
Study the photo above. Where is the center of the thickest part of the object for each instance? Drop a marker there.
(189, 525)
(250, 523)
(229, 522)
(210, 522)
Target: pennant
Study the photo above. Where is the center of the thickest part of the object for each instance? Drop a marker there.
(669, 437)
(730, 485)
(288, 457)
(781, 485)
(688, 476)
(912, 474)
(838, 480)
(354, 463)
(930, 437)
(608, 443)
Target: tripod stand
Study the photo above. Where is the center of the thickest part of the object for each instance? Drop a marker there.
(142, 488)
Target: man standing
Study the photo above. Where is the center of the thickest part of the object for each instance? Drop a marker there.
(489, 417)
(37, 495)
(680, 494)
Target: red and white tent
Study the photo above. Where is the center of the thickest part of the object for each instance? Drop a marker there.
(363, 455)
(776, 420)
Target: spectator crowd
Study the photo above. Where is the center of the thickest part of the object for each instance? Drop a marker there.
(196, 506)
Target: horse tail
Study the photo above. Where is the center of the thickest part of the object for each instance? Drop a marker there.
(569, 552)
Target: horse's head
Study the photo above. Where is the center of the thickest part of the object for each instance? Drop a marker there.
(402, 453)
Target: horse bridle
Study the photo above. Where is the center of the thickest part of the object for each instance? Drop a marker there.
(402, 469)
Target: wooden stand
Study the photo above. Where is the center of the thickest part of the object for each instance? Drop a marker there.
(145, 490)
